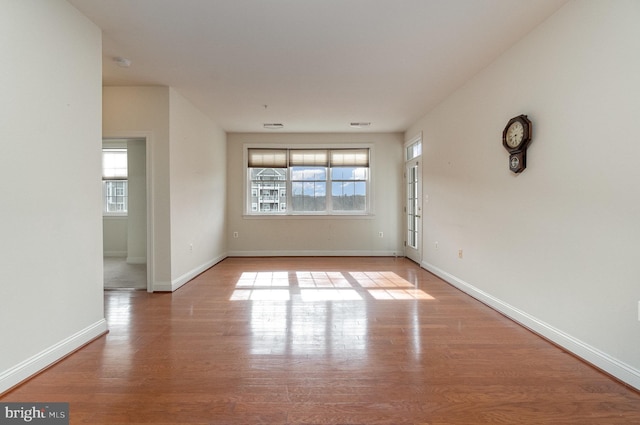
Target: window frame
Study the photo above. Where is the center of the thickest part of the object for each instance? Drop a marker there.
(249, 212)
(118, 179)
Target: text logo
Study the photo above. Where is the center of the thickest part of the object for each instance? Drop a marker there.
(34, 413)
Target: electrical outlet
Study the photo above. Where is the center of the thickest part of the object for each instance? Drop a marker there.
(459, 253)
(436, 244)
(235, 235)
(380, 234)
(190, 248)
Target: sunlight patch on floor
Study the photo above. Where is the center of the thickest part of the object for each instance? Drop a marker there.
(313, 286)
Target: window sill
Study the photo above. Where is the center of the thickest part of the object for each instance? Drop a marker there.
(309, 217)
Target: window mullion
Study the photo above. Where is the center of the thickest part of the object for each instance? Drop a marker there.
(289, 187)
(329, 190)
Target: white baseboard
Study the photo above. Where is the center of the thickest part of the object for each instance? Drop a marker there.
(597, 358)
(178, 282)
(26, 369)
(136, 260)
(310, 253)
(119, 254)
(160, 286)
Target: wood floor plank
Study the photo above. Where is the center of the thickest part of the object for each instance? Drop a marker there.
(322, 341)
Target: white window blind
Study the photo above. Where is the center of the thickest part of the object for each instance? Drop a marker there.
(114, 164)
(349, 157)
(308, 158)
(277, 158)
(268, 158)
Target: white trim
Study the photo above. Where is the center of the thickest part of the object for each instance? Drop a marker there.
(136, 260)
(178, 282)
(162, 286)
(592, 355)
(31, 366)
(308, 216)
(305, 253)
(118, 254)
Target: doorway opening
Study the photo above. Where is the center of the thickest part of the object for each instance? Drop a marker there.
(124, 213)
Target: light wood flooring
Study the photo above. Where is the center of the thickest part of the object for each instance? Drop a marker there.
(322, 341)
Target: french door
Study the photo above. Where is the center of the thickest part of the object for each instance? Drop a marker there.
(413, 210)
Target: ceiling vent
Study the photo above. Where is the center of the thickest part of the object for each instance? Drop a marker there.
(122, 62)
(359, 124)
(273, 126)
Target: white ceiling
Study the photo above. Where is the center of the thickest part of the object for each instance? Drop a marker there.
(317, 65)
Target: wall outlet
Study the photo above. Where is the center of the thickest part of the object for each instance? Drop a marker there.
(459, 253)
(436, 244)
(190, 248)
(235, 235)
(380, 234)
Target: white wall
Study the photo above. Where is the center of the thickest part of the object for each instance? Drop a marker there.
(51, 299)
(144, 112)
(137, 211)
(114, 236)
(198, 191)
(188, 177)
(320, 235)
(556, 246)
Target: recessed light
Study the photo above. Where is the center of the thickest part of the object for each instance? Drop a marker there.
(273, 126)
(359, 124)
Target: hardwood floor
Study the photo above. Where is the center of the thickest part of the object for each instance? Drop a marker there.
(322, 341)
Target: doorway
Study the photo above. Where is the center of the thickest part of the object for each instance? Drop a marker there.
(413, 200)
(124, 195)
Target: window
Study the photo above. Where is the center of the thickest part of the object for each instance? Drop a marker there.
(309, 181)
(114, 181)
(414, 150)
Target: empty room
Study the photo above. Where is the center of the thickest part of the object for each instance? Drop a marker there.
(339, 212)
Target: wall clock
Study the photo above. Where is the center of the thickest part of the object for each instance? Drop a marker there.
(516, 138)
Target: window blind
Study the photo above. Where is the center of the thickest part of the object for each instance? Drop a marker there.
(268, 158)
(308, 157)
(349, 158)
(281, 158)
(114, 164)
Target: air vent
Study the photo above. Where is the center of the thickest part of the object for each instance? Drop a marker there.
(122, 62)
(273, 126)
(359, 124)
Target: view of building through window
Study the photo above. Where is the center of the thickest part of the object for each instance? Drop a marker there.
(268, 189)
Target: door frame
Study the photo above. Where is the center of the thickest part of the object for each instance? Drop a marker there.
(144, 137)
(413, 253)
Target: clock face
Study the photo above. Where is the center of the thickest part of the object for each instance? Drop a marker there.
(515, 134)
